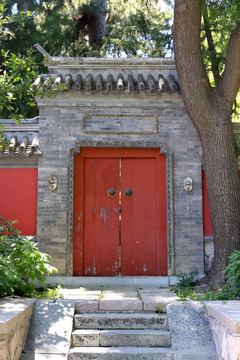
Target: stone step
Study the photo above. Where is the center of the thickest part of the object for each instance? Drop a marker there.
(133, 338)
(121, 321)
(120, 353)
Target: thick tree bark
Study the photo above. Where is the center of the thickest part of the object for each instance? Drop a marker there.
(92, 17)
(210, 111)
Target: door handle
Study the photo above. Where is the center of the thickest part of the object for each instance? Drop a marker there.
(112, 192)
(128, 192)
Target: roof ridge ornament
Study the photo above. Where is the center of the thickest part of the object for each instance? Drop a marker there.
(42, 51)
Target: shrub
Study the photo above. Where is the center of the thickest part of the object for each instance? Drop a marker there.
(21, 262)
(232, 272)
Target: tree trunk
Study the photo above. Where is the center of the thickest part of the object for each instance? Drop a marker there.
(210, 111)
(224, 195)
(96, 24)
(92, 18)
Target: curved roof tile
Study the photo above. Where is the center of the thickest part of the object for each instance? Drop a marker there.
(23, 147)
(120, 84)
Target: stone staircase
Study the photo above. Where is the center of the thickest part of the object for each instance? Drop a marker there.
(120, 335)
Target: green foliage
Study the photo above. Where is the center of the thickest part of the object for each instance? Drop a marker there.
(133, 28)
(186, 280)
(136, 28)
(17, 75)
(220, 19)
(159, 309)
(53, 294)
(232, 272)
(185, 284)
(230, 291)
(21, 262)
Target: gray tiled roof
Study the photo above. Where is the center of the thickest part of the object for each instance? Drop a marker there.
(111, 83)
(21, 146)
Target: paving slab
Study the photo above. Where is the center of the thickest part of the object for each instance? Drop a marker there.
(118, 289)
(152, 297)
(121, 300)
(190, 331)
(81, 294)
(50, 328)
(121, 353)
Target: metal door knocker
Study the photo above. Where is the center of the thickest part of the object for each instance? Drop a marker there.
(53, 183)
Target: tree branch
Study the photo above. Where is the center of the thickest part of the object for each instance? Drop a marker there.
(213, 54)
(230, 82)
(187, 49)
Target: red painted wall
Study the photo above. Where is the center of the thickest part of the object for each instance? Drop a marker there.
(18, 198)
(207, 223)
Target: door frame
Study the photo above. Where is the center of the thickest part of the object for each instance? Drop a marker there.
(114, 143)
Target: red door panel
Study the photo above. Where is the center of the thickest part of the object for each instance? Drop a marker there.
(141, 232)
(139, 212)
(101, 234)
(96, 224)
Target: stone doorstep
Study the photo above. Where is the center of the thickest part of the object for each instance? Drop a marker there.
(121, 321)
(149, 338)
(106, 281)
(228, 314)
(121, 353)
(120, 300)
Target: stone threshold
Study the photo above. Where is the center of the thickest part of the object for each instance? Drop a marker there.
(101, 281)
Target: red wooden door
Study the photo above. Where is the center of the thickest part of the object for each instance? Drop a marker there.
(122, 231)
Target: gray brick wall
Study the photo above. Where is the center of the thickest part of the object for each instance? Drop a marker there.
(63, 124)
(119, 119)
